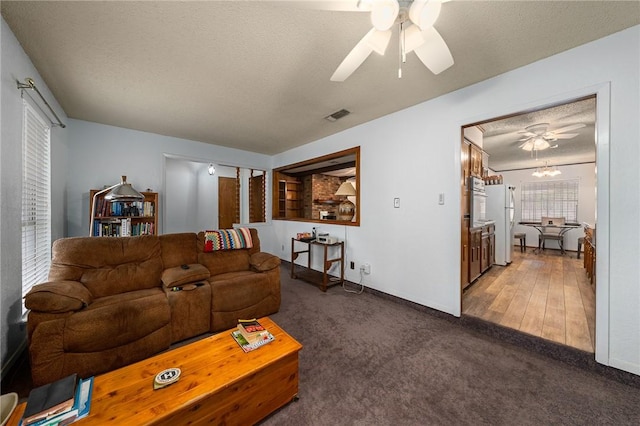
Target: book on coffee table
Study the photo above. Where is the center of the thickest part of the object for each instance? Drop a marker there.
(250, 346)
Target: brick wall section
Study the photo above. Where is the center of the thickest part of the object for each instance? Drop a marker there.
(323, 187)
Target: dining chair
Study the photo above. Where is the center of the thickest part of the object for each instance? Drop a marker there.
(550, 231)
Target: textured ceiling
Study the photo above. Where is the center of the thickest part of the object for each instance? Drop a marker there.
(254, 75)
(501, 137)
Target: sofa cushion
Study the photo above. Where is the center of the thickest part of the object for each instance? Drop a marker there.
(178, 249)
(108, 266)
(237, 290)
(58, 297)
(224, 261)
(263, 261)
(116, 320)
(178, 275)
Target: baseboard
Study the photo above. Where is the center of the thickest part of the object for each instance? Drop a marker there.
(13, 358)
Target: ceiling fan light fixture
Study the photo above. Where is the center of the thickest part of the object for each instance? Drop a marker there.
(425, 13)
(537, 144)
(384, 14)
(546, 171)
(412, 38)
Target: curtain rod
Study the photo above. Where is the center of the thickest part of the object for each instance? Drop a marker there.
(30, 84)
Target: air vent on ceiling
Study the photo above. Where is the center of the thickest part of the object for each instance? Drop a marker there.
(337, 115)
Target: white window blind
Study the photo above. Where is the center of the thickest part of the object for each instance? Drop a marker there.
(36, 195)
(550, 198)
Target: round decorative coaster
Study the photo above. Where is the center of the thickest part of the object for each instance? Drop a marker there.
(166, 377)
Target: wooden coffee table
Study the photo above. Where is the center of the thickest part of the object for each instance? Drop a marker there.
(219, 384)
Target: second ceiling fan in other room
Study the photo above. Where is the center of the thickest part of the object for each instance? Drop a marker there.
(415, 21)
(537, 137)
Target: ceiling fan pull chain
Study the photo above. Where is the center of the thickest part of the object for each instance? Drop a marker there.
(401, 54)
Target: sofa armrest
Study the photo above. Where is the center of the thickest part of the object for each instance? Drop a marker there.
(58, 297)
(180, 275)
(262, 262)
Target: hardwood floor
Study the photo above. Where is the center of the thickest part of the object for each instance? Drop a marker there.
(547, 295)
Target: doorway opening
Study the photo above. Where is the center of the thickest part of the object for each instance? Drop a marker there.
(546, 292)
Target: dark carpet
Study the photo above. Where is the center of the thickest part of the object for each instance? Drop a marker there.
(370, 360)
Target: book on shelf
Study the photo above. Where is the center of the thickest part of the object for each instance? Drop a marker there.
(247, 346)
(80, 408)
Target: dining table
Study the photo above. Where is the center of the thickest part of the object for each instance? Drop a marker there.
(564, 228)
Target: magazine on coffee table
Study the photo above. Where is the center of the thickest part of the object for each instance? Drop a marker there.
(248, 347)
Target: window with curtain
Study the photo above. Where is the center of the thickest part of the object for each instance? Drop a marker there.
(36, 196)
(550, 198)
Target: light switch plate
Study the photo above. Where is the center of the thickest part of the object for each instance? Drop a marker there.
(396, 203)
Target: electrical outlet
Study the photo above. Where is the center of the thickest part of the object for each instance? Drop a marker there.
(441, 198)
(353, 265)
(366, 268)
(283, 247)
(396, 203)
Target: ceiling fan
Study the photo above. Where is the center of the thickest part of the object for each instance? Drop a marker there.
(415, 21)
(537, 136)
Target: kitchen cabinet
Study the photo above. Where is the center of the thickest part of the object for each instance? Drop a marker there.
(492, 248)
(475, 161)
(475, 253)
(488, 247)
(464, 255)
(464, 177)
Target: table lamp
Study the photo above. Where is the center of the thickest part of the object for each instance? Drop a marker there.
(346, 209)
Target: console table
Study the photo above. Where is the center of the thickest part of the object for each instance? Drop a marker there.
(307, 273)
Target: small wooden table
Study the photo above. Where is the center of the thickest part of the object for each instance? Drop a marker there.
(219, 384)
(326, 262)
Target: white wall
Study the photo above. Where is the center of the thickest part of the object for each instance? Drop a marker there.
(586, 174)
(16, 66)
(100, 154)
(181, 197)
(414, 155)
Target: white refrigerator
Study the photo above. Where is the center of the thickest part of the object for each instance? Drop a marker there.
(501, 209)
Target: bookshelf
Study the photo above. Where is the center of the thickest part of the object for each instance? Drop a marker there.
(123, 219)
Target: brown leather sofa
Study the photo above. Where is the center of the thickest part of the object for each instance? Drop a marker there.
(110, 302)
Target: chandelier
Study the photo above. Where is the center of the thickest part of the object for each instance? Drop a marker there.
(546, 171)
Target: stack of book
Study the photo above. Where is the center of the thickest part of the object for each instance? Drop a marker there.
(59, 403)
(250, 335)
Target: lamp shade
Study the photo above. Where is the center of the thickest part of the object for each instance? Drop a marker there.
(123, 192)
(346, 189)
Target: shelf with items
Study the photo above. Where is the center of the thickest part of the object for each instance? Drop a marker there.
(327, 201)
(124, 218)
(290, 199)
(322, 278)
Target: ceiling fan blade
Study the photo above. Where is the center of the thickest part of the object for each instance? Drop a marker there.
(526, 138)
(569, 128)
(379, 40)
(355, 58)
(564, 136)
(527, 133)
(434, 53)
